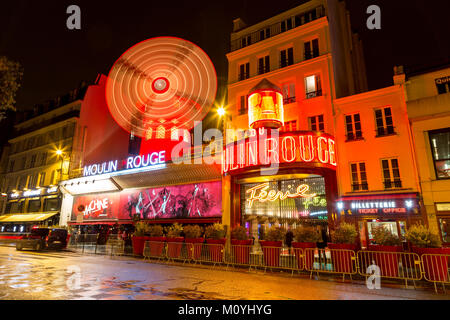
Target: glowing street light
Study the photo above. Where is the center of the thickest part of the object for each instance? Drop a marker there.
(59, 152)
(221, 111)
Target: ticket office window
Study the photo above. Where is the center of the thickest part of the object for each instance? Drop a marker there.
(444, 227)
(397, 228)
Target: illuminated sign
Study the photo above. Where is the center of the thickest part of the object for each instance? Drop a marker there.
(265, 108)
(32, 193)
(258, 149)
(273, 195)
(96, 206)
(52, 189)
(14, 195)
(442, 80)
(141, 161)
(390, 204)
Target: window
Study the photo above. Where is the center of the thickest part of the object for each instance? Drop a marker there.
(246, 41)
(264, 34)
(263, 65)
(289, 126)
(383, 119)
(22, 182)
(34, 205)
(313, 87)
(443, 84)
(15, 207)
(353, 127)
(33, 160)
(11, 166)
(243, 105)
(311, 49)
(440, 147)
(42, 179)
(316, 123)
(286, 25)
(244, 71)
(286, 57)
(391, 173)
(359, 176)
(44, 158)
(289, 93)
(51, 204)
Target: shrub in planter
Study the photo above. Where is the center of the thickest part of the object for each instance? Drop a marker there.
(192, 234)
(174, 240)
(271, 246)
(344, 239)
(386, 242)
(305, 237)
(141, 229)
(435, 261)
(215, 237)
(240, 244)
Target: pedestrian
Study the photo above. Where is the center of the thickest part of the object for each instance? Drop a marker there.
(288, 239)
(322, 244)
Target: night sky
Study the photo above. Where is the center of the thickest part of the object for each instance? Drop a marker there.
(56, 60)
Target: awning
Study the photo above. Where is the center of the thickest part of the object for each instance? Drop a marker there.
(28, 217)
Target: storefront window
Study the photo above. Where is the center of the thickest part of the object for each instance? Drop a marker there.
(389, 225)
(51, 204)
(16, 207)
(34, 205)
(440, 147)
(444, 225)
(285, 199)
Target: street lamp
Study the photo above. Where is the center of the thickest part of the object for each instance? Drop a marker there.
(60, 154)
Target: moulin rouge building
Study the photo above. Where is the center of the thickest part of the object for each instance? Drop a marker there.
(339, 152)
(344, 153)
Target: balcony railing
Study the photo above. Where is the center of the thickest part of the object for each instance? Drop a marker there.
(262, 70)
(391, 184)
(314, 94)
(276, 28)
(288, 100)
(360, 186)
(311, 54)
(286, 62)
(244, 75)
(385, 131)
(352, 136)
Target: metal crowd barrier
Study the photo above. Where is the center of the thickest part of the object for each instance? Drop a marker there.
(84, 243)
(208, 253)
(335, 261)
(393, 265)
(154, 249)
(436, 269)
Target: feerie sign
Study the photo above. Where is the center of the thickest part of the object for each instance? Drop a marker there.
(140, 161)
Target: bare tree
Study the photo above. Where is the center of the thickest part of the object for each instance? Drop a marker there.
(11, 73)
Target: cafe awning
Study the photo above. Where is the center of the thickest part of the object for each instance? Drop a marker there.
(28, 217)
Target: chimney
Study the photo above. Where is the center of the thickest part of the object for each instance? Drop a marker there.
(399, 75)
(238, 24)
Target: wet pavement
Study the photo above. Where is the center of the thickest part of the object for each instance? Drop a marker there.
(69, 275)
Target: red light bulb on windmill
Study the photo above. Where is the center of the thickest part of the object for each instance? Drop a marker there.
(265, 106)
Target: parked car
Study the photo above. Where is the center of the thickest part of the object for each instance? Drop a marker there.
(43, 238)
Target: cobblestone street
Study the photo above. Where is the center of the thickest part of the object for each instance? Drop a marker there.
(55, 275)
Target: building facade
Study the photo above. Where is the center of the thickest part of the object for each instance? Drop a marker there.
(428, 101)
(38, 156)
(311, 55)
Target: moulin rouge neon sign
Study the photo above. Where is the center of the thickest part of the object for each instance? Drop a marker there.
(263, 195)
(256, 150)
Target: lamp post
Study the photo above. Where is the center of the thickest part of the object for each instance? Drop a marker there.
(60, 154)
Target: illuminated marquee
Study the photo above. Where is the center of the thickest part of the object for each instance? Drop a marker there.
(390, 204)
(273, 195)
(305, 147)
(140, 161)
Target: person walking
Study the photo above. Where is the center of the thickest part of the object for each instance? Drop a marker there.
(288, 239)
(322, 244)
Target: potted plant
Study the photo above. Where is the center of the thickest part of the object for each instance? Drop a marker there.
(192, 235)
(240, 244)
(425, 242)
(174, 240)
(271, 246)
(385, 244)
(305, 237)
(156, 239)
(343, 240)
(141, 229)
(215, 238)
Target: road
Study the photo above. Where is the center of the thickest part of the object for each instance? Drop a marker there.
(69, 275)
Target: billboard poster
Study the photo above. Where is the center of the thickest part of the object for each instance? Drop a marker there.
(198, 200)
